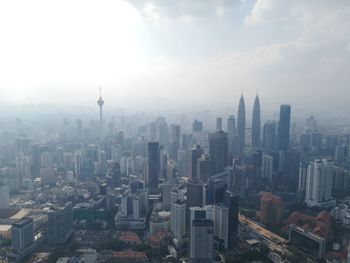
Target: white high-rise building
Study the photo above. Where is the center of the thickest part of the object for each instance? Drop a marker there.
(178, 214)
(221, 225)
(319, 183)
(4, 197)
(267, 166)
(178, 220)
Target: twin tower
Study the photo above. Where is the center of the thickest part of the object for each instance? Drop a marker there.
(241, 124)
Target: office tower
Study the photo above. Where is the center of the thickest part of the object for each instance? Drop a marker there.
(219, 124)
(306, 140)
(153, 164)
(196, 153)
(341, 178)
(187, 139)
(218, 151)
(221, 224)
(341, 153)
(319, 184)
(271, 209)
(80, 129)
(201, 247)
(203, 168)
(291, 166)
(116, 152)
(78, 162)
(4, 197)
(316, 140)
(331, 142)
(24, 146)
(166, 197)
(100, 104)
(269, 136)
(256, 126)
(195, 197)
(231, 133)
(239, 180)
(162, 132)
(257, 162)
(232, 202)
(170, 171)
(178, 219)
(195, 193)
(60, 224)
(22, 234)
(215, 189)
(284, 127)
(175, 141)
(197, 126)
(302, 176)
(241, 124)
(267, 167)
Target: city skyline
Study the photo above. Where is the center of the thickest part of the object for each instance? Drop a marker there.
(161, 131)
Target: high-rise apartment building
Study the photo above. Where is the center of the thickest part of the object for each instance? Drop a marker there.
(319, 184)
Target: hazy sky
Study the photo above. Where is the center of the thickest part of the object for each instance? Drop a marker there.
(200, 51)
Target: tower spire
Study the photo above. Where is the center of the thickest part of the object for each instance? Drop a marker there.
(100, 104)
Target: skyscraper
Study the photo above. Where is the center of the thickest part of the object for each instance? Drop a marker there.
(256, 126)
(232, 202)
(201, 237)
(197, 126)
(178, 219)
(231, 129)
(267, 167)
(269, 136)
(195, 197)
(218, 151)
(60, 224)
(319, 183)
(284, 127)
(218, 123)
(241, 124)
(196, 153)
(153, 164)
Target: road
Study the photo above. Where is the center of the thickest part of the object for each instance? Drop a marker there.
(273, 241)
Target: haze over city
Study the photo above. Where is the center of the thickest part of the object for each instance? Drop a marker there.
(176, 53)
